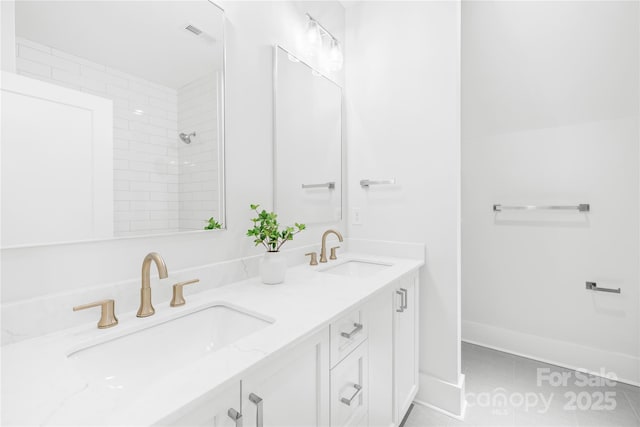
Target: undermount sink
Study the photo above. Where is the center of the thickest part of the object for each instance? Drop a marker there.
(147, 354)
(357, 268)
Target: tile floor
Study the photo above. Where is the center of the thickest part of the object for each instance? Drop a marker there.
(503, 390)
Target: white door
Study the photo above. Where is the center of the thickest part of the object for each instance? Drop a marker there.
(405, 345)
(292, 390)
(57, 163)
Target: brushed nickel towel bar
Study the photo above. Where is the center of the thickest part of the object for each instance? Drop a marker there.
(367, 182)
(582, 207)
(592, 286)
(330, 185)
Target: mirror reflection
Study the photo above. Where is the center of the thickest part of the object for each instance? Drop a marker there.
(308, 143)
(163, 106)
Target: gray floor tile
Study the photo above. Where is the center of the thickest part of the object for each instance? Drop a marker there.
(422, 416)
(507, 390)
(633, 396)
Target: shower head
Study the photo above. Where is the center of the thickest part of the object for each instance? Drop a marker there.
(186, 138)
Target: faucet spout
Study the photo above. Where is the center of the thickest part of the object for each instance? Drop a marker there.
(323, 250)
(146, 308)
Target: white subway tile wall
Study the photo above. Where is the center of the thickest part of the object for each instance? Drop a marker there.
(148, 169)
(198, 169)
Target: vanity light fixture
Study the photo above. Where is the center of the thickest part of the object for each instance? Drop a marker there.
(315, 37)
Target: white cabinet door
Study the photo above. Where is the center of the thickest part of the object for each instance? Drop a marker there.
(291, 390)
(350, 389)
(405, 345)
(211, 410)
(379, 314)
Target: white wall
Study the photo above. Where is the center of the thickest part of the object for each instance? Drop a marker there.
(7, 36)
(251, 31)
(403, 123)
(550, 98)
(198, 162)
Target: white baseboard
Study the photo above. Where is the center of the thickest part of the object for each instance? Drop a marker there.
(562, 353)
(442, 396)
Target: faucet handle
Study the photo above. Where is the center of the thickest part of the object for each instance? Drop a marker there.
(333, 252)
(314, 258)
(107, 315)
(178, 298)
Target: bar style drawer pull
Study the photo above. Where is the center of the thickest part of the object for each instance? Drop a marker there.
(405, 299)
(346, 401)
(357, 327)
(401, 309)
(592, 286)
(235, 416)
(254, 398)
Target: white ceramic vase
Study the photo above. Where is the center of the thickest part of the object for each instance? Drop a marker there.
(273, 267)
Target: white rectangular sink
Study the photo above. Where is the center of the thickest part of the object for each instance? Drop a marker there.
(144, 355)
(357, 268)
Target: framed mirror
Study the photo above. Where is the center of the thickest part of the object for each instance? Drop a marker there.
(307, 142)
(114, 123)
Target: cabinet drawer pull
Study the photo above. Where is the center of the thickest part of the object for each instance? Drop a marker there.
(346, 401)
(401, 309)
(405, 299)
(357, 327)
(254, 398)
(236, 416)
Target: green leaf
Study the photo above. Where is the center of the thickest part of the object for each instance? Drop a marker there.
(267, 231)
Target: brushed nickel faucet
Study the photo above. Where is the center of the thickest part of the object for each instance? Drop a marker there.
(146, 308)
(323, 250)
(107, 314)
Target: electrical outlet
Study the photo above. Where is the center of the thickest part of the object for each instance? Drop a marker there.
(356, 217)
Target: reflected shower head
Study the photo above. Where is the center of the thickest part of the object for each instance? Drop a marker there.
(186, 138)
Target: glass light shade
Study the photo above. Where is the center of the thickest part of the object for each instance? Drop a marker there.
(335, 56)
(313, 34)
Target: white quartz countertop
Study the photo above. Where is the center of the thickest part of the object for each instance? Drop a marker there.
(41, 387)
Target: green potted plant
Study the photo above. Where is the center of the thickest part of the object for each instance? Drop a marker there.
(212, 224)
(266, 232)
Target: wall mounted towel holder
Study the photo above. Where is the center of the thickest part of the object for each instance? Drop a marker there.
(592, 286)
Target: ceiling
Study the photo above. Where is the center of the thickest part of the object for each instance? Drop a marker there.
(145, 38)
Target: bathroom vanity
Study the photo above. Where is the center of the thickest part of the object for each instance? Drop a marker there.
(336, 344)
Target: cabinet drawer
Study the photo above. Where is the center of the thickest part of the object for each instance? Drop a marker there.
(346, 334)
(349, 389)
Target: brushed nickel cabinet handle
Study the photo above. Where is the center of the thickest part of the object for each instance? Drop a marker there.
(348, 402)
(401, 309)
(405, 299)
(235, 416)
(357, 327)
(254, 398)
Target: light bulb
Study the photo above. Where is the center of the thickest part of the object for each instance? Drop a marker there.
(335, 56)
(313, 33)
